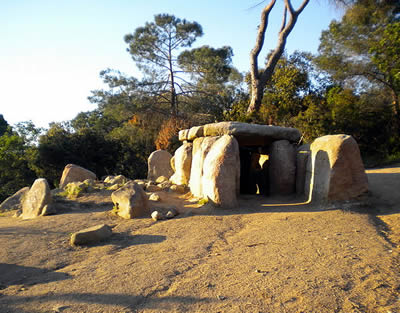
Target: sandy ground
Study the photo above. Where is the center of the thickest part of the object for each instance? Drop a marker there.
(267, 256)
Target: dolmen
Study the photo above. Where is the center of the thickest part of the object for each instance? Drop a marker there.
(219, 161)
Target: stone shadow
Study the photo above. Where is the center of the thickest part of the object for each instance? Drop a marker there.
(12, 274)
(129, 303)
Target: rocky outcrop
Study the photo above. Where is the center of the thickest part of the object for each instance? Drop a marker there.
(14, 202)
(282, 168)
(183, 163)
(337, 170)
(159, 164)
(245, 133)
(201, 147)
(91, 235)
(75, 173)
(130, 201)
(221, 172)
(36, 199)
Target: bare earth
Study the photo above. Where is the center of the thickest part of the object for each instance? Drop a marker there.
(269, 256)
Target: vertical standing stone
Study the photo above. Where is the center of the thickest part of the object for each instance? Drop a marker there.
(337, 170)
(36, 199)
(282, 168)
(221, 172)
(201, 147)
(183, 164)
(159, 164)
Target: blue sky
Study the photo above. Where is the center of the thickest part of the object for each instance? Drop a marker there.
(51, 52)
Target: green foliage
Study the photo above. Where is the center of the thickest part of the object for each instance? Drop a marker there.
(74, 190)
(15, 171)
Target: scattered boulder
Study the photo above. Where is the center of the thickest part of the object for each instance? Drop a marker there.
(178, 188)
(159, 164)
(154, 197)
(75, 173)
(201, 147)
(165, 185)
(152, 188)
(130, 201)
(171, 213)
(157, 216)
(116, 180)
(337, 170)
(114, 187)
(282, 168)
(221, 172)
(183, 163)
(161, 179)
(36, 198)
(91, 235)
(14, 202)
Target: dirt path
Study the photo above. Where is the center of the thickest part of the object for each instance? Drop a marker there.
(265, 257)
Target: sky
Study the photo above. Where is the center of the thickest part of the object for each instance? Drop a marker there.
(52, 51)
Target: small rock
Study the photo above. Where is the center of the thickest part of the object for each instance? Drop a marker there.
(178, 188)
(114, 187)
(152, 188)
(165, 185)
(161, 179)
(91, 235)
(155, 197)
(219, 297)
(171, 213)
(157, 216)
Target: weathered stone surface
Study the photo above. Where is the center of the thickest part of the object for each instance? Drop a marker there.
(201, 147)
(221, 172)
(14, 202)
(91, 235)
(337, 170)
(183, 163)
(159, 164)
(119, 179)
(75, 173)
(161, 179)
(37, 197)
(282, 168)
(178, 188)
(130, 201)
(157, 216)
(302, 158)
(243, 132)
(154, 197)
(152, 188)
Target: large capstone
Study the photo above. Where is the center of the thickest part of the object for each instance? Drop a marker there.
(246, 134)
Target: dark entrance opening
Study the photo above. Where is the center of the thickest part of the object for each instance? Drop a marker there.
(254, 170)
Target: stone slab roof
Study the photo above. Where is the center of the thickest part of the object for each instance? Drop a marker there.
(243, 132)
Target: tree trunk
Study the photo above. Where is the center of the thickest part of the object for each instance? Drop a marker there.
(259, 79)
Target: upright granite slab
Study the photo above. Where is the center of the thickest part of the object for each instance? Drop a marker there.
(36, 199)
